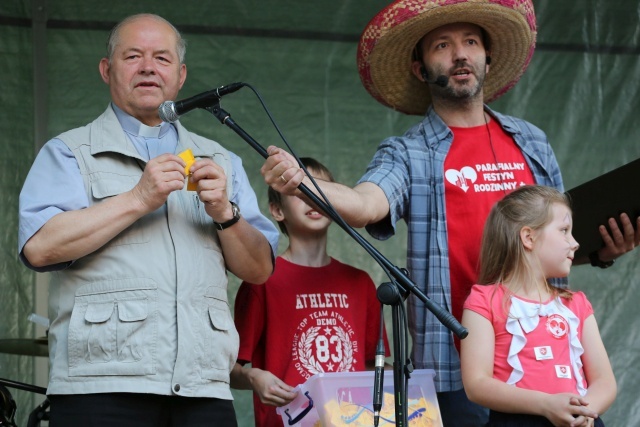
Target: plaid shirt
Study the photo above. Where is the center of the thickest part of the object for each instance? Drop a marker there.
(409, 169)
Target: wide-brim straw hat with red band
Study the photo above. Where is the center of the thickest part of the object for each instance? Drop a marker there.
(388, 42)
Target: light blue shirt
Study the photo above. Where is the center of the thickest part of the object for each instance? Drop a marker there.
(54, 183)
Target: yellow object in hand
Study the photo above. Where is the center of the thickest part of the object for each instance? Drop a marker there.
(187, 156)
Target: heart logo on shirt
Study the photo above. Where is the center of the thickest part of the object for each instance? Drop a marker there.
(460, 178)
(557, 326)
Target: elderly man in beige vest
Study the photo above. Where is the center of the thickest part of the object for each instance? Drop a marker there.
(141, 333)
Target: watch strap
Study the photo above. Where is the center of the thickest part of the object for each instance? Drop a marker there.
(597, 262)
(236, 217)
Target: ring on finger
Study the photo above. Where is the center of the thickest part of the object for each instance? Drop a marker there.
(283, 179)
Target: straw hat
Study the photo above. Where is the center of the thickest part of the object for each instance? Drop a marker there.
(387, 43)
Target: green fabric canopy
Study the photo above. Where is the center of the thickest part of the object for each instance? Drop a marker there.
(581, 88)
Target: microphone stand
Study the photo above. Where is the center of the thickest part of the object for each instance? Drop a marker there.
(399, 277)
(389, 294)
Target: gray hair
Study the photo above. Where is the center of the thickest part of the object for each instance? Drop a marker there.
(114, 35)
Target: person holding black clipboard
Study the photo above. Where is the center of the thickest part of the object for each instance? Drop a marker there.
(445, 62)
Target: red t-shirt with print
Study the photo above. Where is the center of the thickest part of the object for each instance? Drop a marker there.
(483, 164)
(306, 320)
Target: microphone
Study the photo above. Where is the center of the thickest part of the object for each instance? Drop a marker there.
(378, 380)
(441, 80)
(170, 111)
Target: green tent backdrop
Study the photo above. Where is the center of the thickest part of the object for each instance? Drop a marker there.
(582, 88)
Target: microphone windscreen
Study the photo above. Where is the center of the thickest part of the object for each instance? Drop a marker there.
(442, 81)
(167, 112)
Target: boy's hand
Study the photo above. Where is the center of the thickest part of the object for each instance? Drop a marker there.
(271, 390)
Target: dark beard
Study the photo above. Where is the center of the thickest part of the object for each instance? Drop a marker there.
(453, 95)
(461, 94)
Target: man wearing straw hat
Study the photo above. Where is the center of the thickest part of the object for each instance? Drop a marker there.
(445, 59)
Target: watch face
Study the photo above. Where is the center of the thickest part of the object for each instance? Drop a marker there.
(236, 217)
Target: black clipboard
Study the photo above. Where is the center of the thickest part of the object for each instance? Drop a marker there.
(604, 197)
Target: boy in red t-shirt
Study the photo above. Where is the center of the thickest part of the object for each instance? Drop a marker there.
(314, 314)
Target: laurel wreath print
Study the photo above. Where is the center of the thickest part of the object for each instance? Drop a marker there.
(307, 358)
(347, 350)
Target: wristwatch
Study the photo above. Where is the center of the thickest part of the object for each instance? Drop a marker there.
(236, 217)
(597, 262)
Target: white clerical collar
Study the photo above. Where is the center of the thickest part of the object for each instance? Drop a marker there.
(135, 127)
(148, 131)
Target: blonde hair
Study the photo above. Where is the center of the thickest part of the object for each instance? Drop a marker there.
(502, 254)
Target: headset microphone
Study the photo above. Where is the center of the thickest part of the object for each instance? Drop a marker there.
(441, 80)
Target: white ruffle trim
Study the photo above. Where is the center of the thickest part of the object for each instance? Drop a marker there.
(524, 317)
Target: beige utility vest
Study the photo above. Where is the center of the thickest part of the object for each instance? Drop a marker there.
(147, 312)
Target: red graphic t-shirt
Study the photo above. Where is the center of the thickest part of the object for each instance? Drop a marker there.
(481, 167)
(307, 320)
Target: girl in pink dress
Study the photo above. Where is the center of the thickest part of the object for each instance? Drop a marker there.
(534, 355)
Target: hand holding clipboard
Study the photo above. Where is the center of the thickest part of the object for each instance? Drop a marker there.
(601, 201)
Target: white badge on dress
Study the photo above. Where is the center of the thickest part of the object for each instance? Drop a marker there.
(563, 371)
(543, 353)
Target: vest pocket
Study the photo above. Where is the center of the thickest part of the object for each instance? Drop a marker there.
(97, 316)
(113, 329)
(220, 337)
